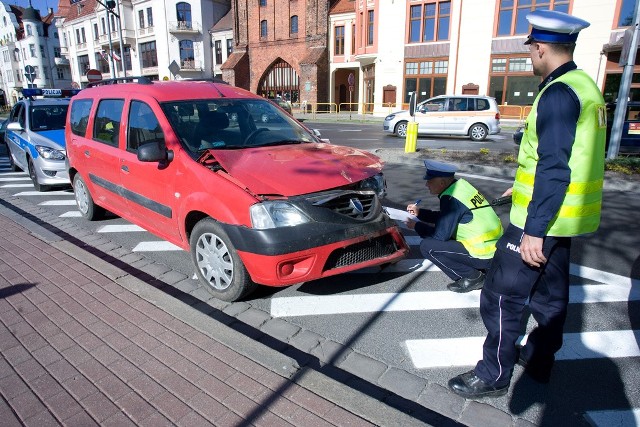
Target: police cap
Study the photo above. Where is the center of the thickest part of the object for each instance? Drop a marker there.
(437, 169)
(551, 26)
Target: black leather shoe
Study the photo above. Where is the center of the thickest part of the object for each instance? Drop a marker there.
(467, 285)
(470, 386)
(538, 374)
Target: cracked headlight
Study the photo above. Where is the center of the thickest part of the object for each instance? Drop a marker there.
(274, 214)
(376, 183)
(49, 153)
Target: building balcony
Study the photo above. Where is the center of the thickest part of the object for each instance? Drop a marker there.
(60, 61)
(128, 38)
(145, 32)
(185, 27)
(190, 65)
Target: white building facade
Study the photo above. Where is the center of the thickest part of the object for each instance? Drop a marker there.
(166, 40)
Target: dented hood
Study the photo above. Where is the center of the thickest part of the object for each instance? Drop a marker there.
(295, 169)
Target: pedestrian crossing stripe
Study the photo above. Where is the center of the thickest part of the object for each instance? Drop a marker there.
(123, 228)
(14, 178)
(71, 214)
(445, 352)
(71, 202)
(16, 185)
(44, 193)
(159, 246)
(623, 417)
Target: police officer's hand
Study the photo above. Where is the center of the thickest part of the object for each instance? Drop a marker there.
(531, 250)
(411, 224)
(413, 209)
(507, 192)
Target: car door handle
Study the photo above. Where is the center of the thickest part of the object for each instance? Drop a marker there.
(87, 154)
(124, 168)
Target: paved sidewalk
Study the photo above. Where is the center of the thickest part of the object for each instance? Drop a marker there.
(84, 343)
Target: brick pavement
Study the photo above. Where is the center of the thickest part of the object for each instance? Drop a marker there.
(79, 348)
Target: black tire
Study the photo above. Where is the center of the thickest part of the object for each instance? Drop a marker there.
(84, 201)
(34, 178)
(218, 266)
(401, 129)
(478, 132)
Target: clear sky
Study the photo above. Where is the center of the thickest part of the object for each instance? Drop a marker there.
(41, 5)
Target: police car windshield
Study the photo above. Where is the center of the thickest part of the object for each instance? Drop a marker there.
(232, 124)
(47, 117)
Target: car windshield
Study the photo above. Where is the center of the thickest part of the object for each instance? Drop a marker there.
(47, 117)
(232, 124)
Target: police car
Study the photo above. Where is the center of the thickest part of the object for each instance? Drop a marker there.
(35, 136)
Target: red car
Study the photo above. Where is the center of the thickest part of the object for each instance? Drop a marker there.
(254, 202)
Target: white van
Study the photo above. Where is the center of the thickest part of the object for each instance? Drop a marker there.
(475, 116)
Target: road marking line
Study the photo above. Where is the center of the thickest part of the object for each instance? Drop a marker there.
(623, 417)
(16, 178)
(435, 300)
(155, 247)
(434, 353)
(17, 185)
(44, 193)
(124, 228)
(71, 214)
(58, 203)
(14, 173)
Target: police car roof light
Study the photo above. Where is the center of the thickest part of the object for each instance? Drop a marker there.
(49, 93)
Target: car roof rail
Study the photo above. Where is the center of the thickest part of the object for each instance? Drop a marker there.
(131, 79)
(212, 80)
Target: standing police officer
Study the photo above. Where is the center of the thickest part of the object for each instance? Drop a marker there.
(462, 239)
(557, 194)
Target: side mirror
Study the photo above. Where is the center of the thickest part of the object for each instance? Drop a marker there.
(155, 151)
(316, 132)
(15, 126)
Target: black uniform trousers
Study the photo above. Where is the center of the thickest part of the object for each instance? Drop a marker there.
(453, 258)
(510, 284)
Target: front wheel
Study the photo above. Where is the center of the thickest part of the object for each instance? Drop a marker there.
(401, 129)
(218, 266)
(87, 208)
(34, 178)
(478, 132)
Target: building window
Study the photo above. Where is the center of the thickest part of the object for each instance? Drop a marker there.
(148, 54)
(229, 47)
(263, 29)
(625, 17)
(141, 18)
(183, 11)
(83, 64)
(29, 32)
(293, 27)
(512, 16)
(42, 53)
(370, 22)
(429, 21)
(427, 77)
(82, 34)
(60, 73)
(57, 52)
(263, 2)
(78, 36)
(353, 39)
(511, 80)
(186, 54)
(32, 50)
(149, 17)
(218, 46)
(96, 34)
(339, 41)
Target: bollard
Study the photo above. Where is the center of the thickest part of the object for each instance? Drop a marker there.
(412, 137)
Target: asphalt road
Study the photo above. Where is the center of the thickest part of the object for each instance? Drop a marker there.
(389, 326)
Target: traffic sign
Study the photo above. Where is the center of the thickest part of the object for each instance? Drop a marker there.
(94, 75)
(351, 79)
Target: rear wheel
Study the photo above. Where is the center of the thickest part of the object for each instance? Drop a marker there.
(34, 178)
(401, 129)
(218, 266)
(86, 206)
(478, 132)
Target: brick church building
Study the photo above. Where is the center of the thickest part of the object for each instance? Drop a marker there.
(280, 49)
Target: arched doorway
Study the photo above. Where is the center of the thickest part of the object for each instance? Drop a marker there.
(280, 80)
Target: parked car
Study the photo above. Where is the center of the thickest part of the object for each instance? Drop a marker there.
(254, 203)
(630, 138)
(474, 116)
(35, 137)
(286, 106)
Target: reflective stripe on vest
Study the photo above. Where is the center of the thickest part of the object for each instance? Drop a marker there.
(479, 235)
(580, 209)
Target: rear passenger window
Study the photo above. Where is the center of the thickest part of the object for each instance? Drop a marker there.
(80, 110)
(143, 126)
(482, 104)
(106, 126)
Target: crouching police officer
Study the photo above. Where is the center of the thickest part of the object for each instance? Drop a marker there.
(461, 237)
